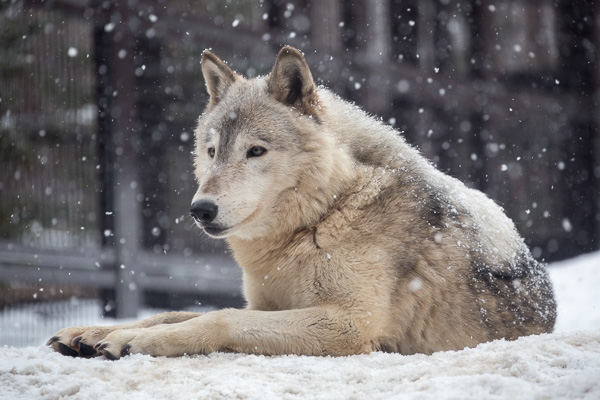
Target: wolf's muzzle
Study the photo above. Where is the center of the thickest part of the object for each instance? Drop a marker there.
(204, 211)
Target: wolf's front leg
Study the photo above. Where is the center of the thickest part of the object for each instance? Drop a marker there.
(80, 341)
(310, 331)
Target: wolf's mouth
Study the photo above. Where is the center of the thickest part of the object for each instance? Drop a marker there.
(214, 231)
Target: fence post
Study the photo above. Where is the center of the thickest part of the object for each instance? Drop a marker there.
(378, 53)
(596, 127)
(119, 133)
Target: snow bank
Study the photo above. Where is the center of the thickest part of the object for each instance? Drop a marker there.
(576, 284)
(562, 365)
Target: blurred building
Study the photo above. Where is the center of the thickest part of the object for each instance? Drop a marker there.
(98, 101)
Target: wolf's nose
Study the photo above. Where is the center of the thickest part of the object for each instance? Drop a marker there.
(204, 211)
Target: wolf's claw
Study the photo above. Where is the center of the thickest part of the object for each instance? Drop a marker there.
(75, 341)
(52, 340)
(125, 350)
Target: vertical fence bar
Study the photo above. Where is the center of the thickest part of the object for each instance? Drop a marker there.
(596, 124)
(378, 53)
(120, 140)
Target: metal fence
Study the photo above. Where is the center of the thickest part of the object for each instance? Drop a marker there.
(33, 324)
(99, 100)
(96, 144)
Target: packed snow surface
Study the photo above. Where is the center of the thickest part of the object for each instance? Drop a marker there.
(562, 365)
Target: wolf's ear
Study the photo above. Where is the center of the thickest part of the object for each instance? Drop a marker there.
(217, 75)
(291, 82)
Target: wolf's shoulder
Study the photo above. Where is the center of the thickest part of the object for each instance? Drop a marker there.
(368, 139)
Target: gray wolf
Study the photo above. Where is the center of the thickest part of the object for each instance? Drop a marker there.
(349, 240)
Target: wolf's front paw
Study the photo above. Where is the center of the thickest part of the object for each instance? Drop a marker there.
(163, 340)
(150, 341)
(78, 341)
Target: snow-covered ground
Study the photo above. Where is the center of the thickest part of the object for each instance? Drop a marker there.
(562, 365)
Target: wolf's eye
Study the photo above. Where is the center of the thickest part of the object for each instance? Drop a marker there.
(256, 151)
(211, 152)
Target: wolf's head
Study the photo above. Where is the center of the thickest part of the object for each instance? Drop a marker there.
(263, 159)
